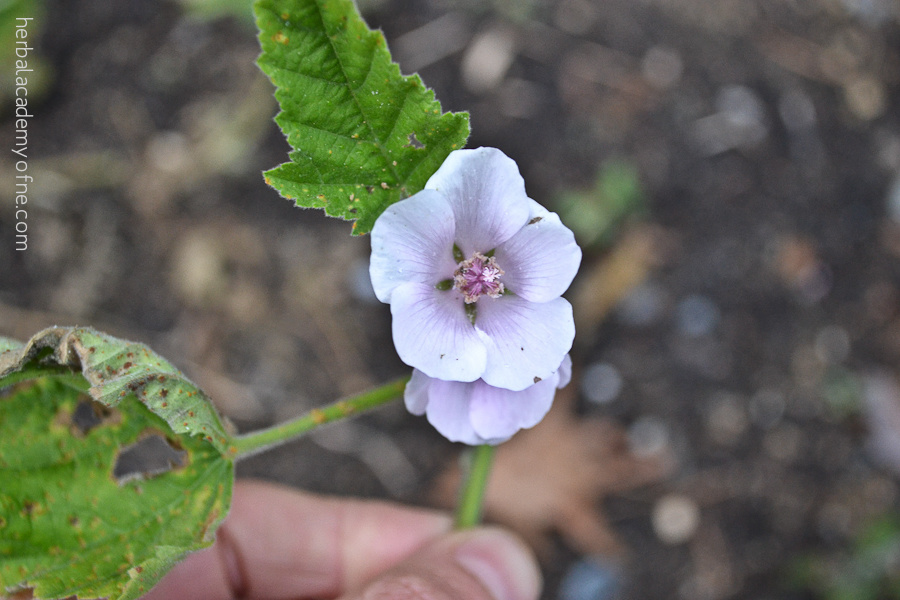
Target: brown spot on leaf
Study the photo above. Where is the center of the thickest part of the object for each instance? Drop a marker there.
(211, 518)
(318, 416)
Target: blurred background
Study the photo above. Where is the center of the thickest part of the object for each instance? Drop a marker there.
(731, 169)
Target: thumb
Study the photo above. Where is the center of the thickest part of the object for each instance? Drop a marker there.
(479, 564)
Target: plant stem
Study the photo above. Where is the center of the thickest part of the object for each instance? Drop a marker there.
(254, 442)
(471, 497)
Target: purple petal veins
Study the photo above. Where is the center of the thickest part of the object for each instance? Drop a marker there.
(487, 195)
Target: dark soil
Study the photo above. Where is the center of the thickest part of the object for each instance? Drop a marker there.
(762, 350)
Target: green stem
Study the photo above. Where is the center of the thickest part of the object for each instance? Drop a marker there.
(471, 497)
(257, 441)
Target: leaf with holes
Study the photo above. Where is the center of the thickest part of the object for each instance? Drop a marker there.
(113, 466)
(363, 135)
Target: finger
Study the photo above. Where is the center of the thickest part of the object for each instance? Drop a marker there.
(281, 543)
(482, 564)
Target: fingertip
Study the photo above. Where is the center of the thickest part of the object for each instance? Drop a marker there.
(199, 577)
(479, 564)
(501, 562)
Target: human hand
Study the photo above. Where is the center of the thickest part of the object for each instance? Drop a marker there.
(281, 543)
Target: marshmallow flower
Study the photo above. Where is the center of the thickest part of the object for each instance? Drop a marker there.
(477, 413)
(473, 270)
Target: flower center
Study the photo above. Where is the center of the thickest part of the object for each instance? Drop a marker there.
(478, 276)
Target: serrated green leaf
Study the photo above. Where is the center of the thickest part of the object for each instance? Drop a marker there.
(363, 135)
(115, 368)
(69, 523)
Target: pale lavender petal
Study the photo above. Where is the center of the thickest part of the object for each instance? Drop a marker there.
(497, 413)
(564, 373)
(540, 261)
(487, 194)
(526, 341)
(535, 209)
(448, 410)
(433, 334)
(415, 396)
(412, 240)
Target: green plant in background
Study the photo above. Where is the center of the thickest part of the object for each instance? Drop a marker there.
(842, 391)
(597, 215)
(869, 571)
(39, 72)
(214, 9)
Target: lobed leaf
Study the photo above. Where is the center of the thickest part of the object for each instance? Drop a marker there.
(73, 520)
(363, 135)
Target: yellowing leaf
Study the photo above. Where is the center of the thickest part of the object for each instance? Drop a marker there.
(88, 505)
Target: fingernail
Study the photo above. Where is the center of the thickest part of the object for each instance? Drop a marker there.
(503, 565)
